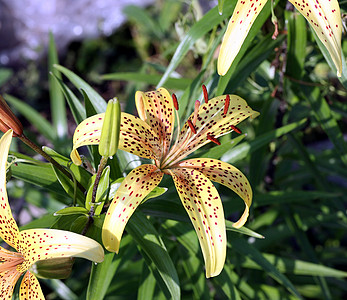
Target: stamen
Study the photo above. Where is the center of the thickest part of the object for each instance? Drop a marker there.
(235, 129)
(213, 139)
(196, 110)
(205, 93)
(175, 102)
(192, 128)
(226, 104)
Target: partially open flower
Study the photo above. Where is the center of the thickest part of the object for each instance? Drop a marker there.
(8, 120)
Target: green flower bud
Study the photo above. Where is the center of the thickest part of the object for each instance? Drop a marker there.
(56, 268)
(110, 129)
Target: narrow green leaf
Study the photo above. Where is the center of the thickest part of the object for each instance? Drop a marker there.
(97, 101)
(247, 250)
(60, 288)
(295, 266)
(74, 210)
(58, 110)
(81, 175)
(153, 247)
(40, 174)
(76, 107)
(41, 124)
(102, 274)
(147, 284)
(152, 79)
(241, 151)
(199, 29)
(224, 280)
(324, 116)
(297, 40)
(243, 230)
(220, 6)
(68, 186)
(252, 60)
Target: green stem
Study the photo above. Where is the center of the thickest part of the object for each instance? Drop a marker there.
(101, 167)
(38, 150)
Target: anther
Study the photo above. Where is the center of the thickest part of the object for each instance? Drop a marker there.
(175, 102)
(205, 93)
(196, 111)
(213, 139)
(192, 127)
(235, 129)
(226, 104)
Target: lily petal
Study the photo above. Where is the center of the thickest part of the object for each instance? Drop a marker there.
(41, 244)
(156, 108)
(227, 175)
(239, 25)
(134, 188)
(30, 288)
(204, 207)
(136, 136)
(212, 121)
(8, 226)
(8, 280)
(325, 19)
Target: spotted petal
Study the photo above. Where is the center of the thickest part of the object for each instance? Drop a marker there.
(135, 137)
(42, 244)
(8, 226)
(135, 187)
(204, 207)
(8, 280)
(211, 121)
(227, 175)
(157, 109)
(30, 288)
(325, 18)
(239, 25)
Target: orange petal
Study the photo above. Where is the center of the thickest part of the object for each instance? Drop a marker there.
(325, 19)
(204, 207)
(8, 280)
(8, 226)
(135, 136)
(211, 121)
(227, 175)
(157, 109)
(134, 188)
(30, 288)
(239, 25)
(41, 244)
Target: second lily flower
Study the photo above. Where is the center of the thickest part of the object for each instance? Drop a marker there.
(151, 137)
(323, 16)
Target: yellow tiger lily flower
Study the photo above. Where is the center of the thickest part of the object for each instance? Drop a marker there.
(32, 245)
(151, 136)
(323, 16)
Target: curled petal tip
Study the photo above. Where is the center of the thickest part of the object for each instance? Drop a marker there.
(75, 157)
(110, 240)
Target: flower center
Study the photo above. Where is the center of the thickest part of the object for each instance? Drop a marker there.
(9, 260)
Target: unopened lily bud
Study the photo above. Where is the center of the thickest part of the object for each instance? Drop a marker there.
(110, 129)
(56, 268)
(8, 120)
